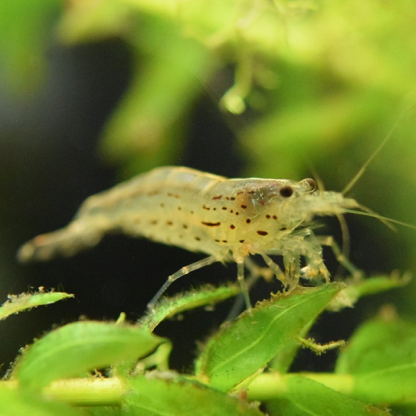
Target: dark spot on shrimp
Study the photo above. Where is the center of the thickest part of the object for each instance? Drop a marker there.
(225, 241)
(267, 216)
(162, 204)
(217, 241)
(205, 207)
(179, 208)
(197, 239)
(152, 193)
(248, 220)
(232, 226)
(217, 197)
(211, 224)
(275, 217)
(232, 198)
(283, 229)
(237, 213)
(224, 208)
(243, 206)
(169, 222)
(153, 222)
(231, 211)
(191, 212)
(184, 226)
(262, 232)
(242, 241)
(173, 195)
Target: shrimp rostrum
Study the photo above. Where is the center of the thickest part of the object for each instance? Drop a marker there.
(228, 219)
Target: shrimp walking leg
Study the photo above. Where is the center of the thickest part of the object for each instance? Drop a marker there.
(243, 284)
(257, 271)
(328, 240)
(275, 269)
(175, 276)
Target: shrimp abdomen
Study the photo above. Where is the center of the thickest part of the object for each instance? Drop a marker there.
(63, 242)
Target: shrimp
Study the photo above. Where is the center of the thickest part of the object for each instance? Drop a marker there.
(227, 219)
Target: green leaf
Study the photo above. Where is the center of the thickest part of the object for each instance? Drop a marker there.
(407, 409)
(304, 397)
(105, 411)
(382, 358)
(284, 358)
(15, 402)
(169, 307)
(364, 287)
(241, 349)
(167, 394)
(16, 304)
(82, 346)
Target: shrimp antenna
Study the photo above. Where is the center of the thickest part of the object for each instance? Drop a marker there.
(385, 220)
(358, 175)
(345, 248)
(319, 182)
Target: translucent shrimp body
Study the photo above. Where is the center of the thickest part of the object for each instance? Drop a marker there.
(228, 219)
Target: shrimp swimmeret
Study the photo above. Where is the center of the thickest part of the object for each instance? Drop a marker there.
(228, 219)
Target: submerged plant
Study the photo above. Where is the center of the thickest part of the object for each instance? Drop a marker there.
(242, 369)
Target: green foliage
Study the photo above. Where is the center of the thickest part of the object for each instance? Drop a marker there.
(382, 358)
(81, 346)
(303, 396)
(169, 308)
(317, 73)
(261, 334)
(376, 369)
(20, 402)
(166, 393)
(16, 304)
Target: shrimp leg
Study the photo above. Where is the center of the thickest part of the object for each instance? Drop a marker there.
(181, 272)
(275, 269)
(328, 241)
(243, 283)
(255, 272)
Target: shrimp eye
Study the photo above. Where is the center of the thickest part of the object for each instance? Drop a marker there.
(311, 183)
(286, 191)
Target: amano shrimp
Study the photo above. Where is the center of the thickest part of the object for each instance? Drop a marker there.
(227, 219)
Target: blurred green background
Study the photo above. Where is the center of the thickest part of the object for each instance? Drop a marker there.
(93, 92)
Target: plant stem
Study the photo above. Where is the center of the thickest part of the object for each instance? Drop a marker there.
(82, 391)
(110, 391)
(271, 385)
